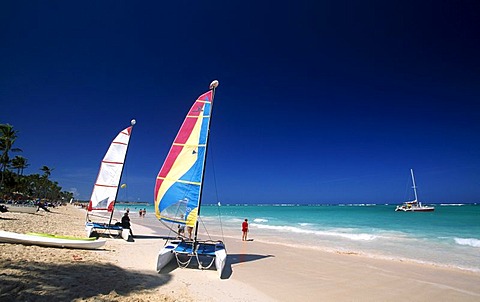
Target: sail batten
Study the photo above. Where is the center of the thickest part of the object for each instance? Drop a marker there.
(186, 145)
(179, 180)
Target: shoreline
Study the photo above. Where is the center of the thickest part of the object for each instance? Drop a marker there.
(389, 235)
(255, 270)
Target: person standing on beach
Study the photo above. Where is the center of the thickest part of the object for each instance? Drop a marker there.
(190, 230)
(245, 230)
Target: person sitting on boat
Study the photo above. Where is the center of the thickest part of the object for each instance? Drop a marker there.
(126, 222)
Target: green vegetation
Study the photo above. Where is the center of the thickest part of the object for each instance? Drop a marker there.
(15, 185)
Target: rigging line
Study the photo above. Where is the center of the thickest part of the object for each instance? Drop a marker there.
(216, 191)
(205, 228)
(170, 229)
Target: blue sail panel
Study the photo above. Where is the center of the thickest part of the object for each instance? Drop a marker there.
(178, 185)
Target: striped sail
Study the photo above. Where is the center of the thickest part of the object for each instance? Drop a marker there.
(178, 184)
(108, 179)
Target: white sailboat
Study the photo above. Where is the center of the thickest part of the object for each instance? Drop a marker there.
(414, 205)
(178, 190)
(105, 191)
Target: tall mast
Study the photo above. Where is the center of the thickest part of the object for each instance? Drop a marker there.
(213, 86)
(414, 185)
(132, 122)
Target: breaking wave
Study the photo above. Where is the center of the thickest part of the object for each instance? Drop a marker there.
(291, 229)
(468, 241)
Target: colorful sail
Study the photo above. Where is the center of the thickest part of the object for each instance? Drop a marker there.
(108, 179)
(178, 185)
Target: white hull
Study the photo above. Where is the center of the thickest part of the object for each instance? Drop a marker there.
(88, 231)
(414, 209)
(11, 237)
(220, 259)
(166, 254)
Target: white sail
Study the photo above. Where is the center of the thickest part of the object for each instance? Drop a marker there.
(108, 179)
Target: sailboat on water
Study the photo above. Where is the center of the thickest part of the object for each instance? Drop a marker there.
(414, 205)
(178, 190)
(105, 191)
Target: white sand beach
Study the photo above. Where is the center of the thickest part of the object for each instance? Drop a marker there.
(255, 270)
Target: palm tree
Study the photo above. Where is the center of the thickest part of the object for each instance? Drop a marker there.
(19, 163)
(46, 174)
(46, 171)
(7, 138)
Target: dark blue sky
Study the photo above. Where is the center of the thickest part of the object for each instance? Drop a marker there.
(319, 101)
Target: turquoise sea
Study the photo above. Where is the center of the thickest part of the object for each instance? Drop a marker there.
(449, 236)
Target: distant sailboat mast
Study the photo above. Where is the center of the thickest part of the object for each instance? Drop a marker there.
(414, 186)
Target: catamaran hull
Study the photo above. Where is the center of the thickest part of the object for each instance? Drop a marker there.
(50, 241)
(220, 259)
(166, 255)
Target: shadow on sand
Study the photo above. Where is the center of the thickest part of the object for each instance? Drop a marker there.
(239, 258)
(227, 270)
(6, 218)
(38, 281)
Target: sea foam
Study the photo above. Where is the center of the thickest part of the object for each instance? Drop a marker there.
(468, 241)
(260, 220)
(351, 236)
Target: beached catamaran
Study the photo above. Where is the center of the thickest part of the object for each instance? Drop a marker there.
(414, 205)
(178, 190)
(105, 191)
